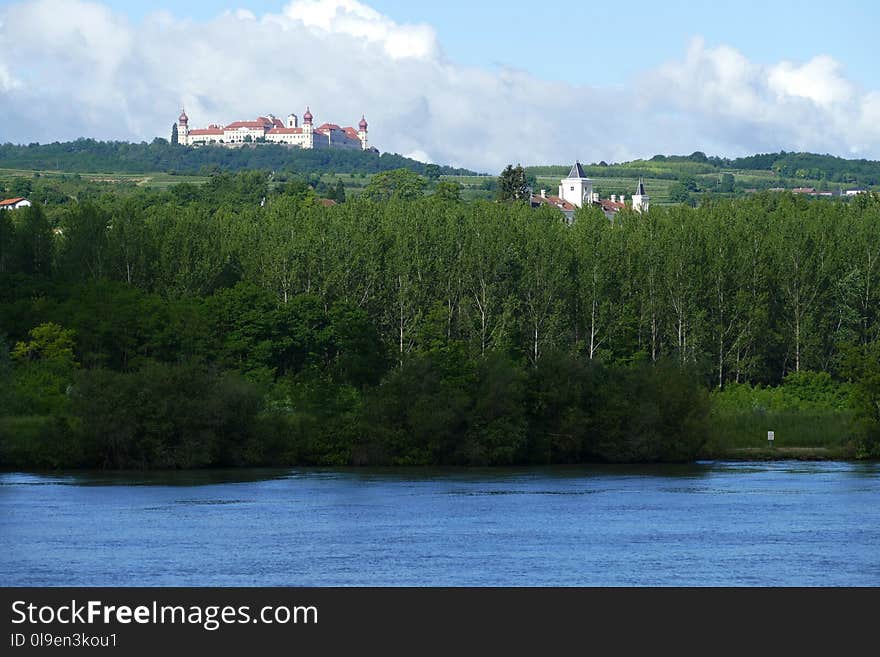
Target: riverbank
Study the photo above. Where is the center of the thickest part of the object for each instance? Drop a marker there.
(47, 443)
(785, 454)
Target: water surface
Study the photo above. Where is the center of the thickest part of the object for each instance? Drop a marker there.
(740, 524)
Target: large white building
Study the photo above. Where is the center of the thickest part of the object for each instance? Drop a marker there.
(270, 129)
(577, 189)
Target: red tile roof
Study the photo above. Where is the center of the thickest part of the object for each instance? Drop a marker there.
(327, 202)
(329, 126)
(554, 201)
(352, 133)
(12, 201)
(285, 131)
(611, 206)
(259, 123)
(206, 131)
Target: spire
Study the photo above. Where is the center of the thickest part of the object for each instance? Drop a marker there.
(640, 190)
(577, 171)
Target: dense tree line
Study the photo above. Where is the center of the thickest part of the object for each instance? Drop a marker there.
(813, 166)
(402, 328)
(88, 155)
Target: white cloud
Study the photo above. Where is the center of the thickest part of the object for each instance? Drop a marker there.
(421, 156)
(819, 80)
(732, 105)
(352, 18)
(72, 68)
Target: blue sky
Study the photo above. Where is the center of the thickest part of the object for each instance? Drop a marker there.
(476, 84)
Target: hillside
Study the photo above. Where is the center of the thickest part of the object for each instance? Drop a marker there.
(681, 178)
(89, 156)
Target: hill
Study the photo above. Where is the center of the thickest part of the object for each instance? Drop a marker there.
(89, 156)
(681, 178)
(804, 166)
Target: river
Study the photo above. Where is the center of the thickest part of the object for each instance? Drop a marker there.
(708, 524)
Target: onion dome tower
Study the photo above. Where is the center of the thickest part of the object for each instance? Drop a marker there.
(362, 132)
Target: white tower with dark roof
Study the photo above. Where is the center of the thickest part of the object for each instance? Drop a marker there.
(577, 189)
(640, 198)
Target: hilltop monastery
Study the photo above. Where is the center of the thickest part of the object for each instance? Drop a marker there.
(272, 130)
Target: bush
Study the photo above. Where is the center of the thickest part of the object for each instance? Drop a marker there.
(650, 413)
(38, 441)
(164, 416)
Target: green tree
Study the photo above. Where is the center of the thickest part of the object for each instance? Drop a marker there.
(83, 245)
(7, 242)
(130, 246)
(432, 172)
(512, 184)
(863, 365)
(726, 186)
(399, 184)
(174, 137)
(596, 246)
(34, 244)
(45, 365)
(165, 416)
(339, 192)
(678, 193)
(447, 190)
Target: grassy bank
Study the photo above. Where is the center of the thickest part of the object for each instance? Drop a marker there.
(799, 434)
(811, 415)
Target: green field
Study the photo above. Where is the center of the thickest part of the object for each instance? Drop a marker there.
(153, 180)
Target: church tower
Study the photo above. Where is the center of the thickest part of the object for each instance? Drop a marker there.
(577, 189)
(640, 198)
(183, 128)
(308, 129)
(362, 132)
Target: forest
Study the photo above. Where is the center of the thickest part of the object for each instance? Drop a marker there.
(236, 324)
(90, 155)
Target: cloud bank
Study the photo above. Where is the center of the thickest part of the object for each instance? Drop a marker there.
(71, 68)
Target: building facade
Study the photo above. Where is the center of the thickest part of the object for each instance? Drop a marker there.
(272, 130)
(576, 189)
(14, 203)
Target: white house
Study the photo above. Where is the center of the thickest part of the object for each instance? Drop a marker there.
(14, 203)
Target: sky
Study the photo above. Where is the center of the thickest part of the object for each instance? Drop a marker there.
(473, 84)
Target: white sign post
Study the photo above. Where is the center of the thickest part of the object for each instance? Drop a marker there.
(770, 436)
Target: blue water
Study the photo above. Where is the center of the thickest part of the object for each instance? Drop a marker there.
(740, 524)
